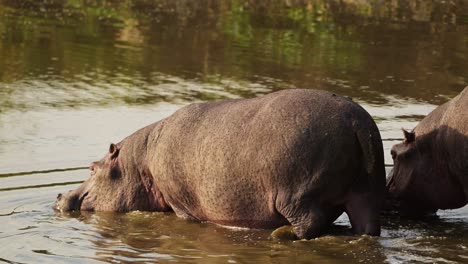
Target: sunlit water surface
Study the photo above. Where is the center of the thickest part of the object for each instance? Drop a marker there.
(75, 78)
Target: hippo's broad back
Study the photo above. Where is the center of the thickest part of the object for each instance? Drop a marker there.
(296, 156)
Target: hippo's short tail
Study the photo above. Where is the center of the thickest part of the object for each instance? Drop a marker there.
(372, 159)
(365, 201)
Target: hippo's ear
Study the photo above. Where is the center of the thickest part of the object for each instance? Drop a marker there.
(409, 136)
(113, 150)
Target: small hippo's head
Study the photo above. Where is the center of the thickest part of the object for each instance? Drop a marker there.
(405, 190)
(119, 182)
(419, 183)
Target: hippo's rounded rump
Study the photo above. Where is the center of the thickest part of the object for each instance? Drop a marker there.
(295, 156)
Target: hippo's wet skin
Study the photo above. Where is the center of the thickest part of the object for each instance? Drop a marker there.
(431, 164)
(299, 157)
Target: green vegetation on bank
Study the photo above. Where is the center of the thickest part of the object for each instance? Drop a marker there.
(301, 42)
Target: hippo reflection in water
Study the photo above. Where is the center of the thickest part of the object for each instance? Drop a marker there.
(299, 157)
(431, 164)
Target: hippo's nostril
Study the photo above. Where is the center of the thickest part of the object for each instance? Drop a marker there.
(59, 196)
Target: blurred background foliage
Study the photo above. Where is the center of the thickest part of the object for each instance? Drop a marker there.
(307, 43)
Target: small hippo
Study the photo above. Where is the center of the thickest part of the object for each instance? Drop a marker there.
(299, 157)
(431, 164)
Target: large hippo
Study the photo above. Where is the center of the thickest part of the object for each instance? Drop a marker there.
(431, 164)
(299, 157)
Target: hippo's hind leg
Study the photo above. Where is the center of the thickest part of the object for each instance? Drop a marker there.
(307, 224)
(310, 221)
(363, 212)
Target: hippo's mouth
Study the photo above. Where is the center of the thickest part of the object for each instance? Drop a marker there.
(81, 199)
(69, 202)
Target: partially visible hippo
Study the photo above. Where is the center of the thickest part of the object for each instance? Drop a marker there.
(299, 157)
(431, 165)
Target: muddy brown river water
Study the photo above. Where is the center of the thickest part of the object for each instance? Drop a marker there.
(77, 75)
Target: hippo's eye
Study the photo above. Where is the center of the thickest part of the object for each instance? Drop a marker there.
(92, 169)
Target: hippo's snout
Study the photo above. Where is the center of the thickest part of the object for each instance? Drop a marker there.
(68, 202)
(391, 202)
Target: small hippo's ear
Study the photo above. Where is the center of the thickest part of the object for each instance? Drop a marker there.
(113, 150)
(409, 136)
